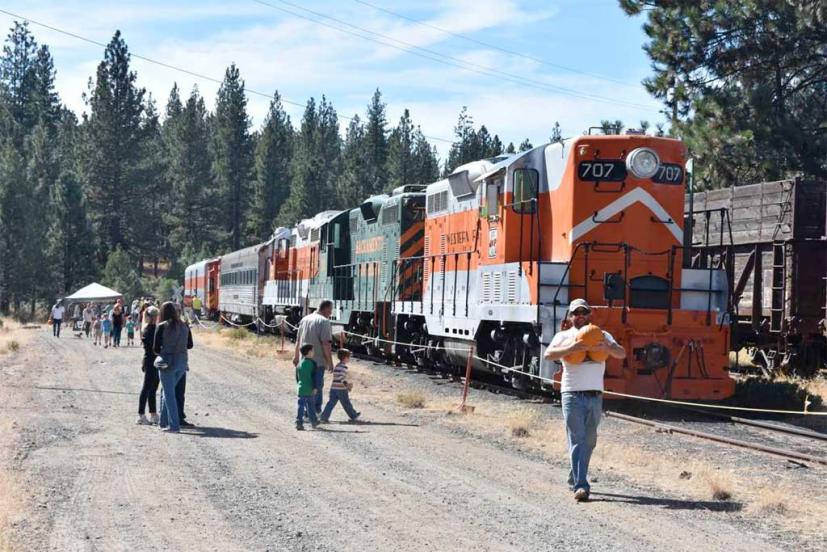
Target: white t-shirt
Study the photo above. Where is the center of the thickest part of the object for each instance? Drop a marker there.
(87, 314)
(586, 376)
(57, 312)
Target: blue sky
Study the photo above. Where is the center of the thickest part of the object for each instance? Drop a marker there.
(583, 60)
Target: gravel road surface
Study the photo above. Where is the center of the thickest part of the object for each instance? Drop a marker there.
(86, 478)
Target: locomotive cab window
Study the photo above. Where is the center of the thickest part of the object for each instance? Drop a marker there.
(526, 184)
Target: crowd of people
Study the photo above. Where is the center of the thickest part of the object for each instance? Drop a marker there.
(165, 363)
(165, 338)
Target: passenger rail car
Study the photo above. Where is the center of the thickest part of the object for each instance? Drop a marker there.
(201, 280)
(242, 278)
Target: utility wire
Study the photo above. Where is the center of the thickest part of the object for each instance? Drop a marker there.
(439, 57)
(494, 46)
(176, 68)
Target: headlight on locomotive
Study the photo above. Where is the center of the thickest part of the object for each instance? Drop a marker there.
(643, 162)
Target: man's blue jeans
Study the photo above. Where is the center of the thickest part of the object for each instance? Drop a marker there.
(339, 395)
(169, 379)
(306, 404)
(582, 411)
(318, 383)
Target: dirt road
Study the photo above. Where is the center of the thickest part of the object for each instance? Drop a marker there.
(79, 475)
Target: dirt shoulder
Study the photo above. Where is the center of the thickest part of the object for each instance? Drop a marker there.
(76, 473)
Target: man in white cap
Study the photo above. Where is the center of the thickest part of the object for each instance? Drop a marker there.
(582, 393)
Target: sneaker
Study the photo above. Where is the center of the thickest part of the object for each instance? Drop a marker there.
(154, 419)
(170, 430)
(185, 423)
(355, 418)
(324, 421)
(314, 425)
(581, 495)
(299, 427)
(142, 420)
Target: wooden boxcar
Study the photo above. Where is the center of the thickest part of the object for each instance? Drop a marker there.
(772, 239)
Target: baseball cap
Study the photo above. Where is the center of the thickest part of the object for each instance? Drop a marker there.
(579, 304)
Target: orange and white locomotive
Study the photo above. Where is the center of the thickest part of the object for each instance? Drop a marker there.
(509, 242)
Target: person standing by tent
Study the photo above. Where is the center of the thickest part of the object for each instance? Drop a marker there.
(88, 318)
(57, 317)
(117, 323)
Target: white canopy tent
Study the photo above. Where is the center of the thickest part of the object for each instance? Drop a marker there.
(93, 293)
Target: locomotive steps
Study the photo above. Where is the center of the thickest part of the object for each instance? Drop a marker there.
(80, 475)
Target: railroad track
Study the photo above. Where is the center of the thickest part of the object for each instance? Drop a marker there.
(786, 453)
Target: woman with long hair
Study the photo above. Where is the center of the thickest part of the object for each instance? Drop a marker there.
(150, 372)
(172, 341)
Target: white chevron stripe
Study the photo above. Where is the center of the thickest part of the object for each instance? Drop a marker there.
(621, 203)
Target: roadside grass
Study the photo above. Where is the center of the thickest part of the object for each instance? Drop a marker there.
(781, 393)
(238, 340)
(12, 507)
(10, 336)
(522, 422)
(411, 399)
(773, 501)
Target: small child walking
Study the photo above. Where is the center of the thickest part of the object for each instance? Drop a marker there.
(340, 389)
(98, 330)
(130, 331)
(106, 326)
(305, 376)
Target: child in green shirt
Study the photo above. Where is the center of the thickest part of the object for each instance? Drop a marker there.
(130, 331)
(305, 376)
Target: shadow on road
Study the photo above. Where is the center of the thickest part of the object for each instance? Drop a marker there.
(45, 388)
(668, 503)
(218, 432)
(367, 423)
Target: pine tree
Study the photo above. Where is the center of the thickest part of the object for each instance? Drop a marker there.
(400, 164)
(510, 149)
(13, 225)
(353, 185)
(743, 83)
(71, 242)
(376, 144)
(425, 161)
(525, 145)
(464, 148)
(114, 134)
(195, 210)
(146, 227)
(272, 169)
(556, 134)
(315, 167)
(121, 275)
(232, 153)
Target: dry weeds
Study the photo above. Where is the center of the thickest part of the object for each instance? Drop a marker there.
(411, 399)
(240, 340)
(11, 336)
(522, 422)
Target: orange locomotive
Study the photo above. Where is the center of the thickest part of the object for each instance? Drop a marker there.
(508, 242)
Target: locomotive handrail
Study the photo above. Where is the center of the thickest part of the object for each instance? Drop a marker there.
(609, 220)
(657, 219)
(619, 189)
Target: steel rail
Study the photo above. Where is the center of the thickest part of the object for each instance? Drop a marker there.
(762, 424)
(721, 439)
